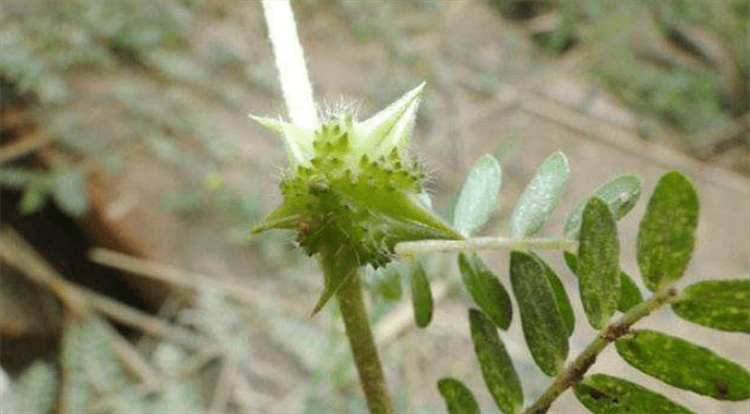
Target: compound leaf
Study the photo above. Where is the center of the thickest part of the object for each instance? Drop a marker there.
(603, 394)
(666, 236)
(684, 365)
(540, 197)
(543, 326)
(485, 289)
(421, 295)
(458, 398)
(718, 304)
(598, 266)
(478, 196)
(621, 193)
(497, 369)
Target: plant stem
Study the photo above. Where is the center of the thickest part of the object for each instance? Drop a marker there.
(342, 266)
(482, 243)
(574, 372)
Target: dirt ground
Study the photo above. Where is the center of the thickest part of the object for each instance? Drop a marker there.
(488, 91)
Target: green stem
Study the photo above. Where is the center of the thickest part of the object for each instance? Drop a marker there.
(574, 372)
(482, 243)
(342, 266)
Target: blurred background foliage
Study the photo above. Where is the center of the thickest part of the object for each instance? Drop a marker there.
(104, 80)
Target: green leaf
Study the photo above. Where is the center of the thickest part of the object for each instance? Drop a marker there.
(33, 198)
(69, 192)
(718, 304)
(563, 303)
(486, 290)
(598, 266)
(540, 197)
(684, 365)
(603, 394)
(543, 326)
(388, 281)
(421, 295)
(497, 369)
(630, 295)
(621, 193)
(458, 398)
(667, 232)
(478, 196)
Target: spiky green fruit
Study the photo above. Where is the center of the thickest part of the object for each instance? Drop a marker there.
(352, 185)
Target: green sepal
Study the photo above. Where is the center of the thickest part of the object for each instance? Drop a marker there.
(339, 266)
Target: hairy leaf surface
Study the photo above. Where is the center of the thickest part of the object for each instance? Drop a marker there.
(478, 196)
(666, 236)
(598, 266)
(543, 326)
(603, 394)
(486, 290)
(621, 193)
(458, 398)
(684, 365)
(718, 304)
(540, 197)
(497, 368)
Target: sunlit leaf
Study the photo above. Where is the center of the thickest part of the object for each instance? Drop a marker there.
(563, 303)
(478, 196)
(718, 304)
(458, 398)
(621, 193)
(598, 266)
(421, 295)
(543, 326)
(497, 369)
(667, 231)
(684, 365)
(603, 394)
(485, 289)
(540, 197)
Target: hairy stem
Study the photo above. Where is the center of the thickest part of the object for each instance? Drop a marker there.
(342, 265)
(574, 372)
(482, 243)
